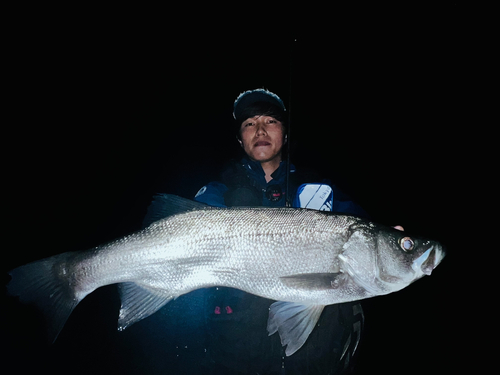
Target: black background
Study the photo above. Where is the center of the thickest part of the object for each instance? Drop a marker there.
(108, 107)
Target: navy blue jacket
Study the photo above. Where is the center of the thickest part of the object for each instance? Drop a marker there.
(237, 339)
(222, 330)
(214, 193)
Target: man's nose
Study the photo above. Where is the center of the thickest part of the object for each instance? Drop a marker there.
(261, 129)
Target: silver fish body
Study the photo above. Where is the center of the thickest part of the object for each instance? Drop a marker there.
(305, 259)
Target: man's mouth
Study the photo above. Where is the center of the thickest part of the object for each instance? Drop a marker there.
(262, 143)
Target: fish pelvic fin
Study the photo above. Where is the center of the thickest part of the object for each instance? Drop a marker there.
(138, 303)
(294, 322)
(46, 285)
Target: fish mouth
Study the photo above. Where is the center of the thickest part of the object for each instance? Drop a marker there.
(429, 260)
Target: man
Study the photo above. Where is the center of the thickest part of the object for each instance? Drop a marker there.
(259, 179)
(237, 340)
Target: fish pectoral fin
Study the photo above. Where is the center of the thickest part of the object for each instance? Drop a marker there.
(138, 303)
(294, 322)
(315, 281)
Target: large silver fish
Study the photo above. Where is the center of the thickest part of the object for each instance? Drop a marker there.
(304, 259)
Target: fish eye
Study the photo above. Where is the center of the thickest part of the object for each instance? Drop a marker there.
(406, 243)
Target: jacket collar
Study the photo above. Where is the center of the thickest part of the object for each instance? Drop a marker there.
(255, 171)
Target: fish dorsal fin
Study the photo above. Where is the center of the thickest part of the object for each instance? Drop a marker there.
(294, 322)
(138, 303)
(164, 205)
(315, 281)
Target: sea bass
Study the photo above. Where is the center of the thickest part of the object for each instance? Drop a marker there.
(304, 259)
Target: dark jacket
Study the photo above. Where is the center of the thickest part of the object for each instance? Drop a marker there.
(236, 336)
(222, 330)
(243, 183)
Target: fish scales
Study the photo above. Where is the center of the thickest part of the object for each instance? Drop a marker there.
(247, 251)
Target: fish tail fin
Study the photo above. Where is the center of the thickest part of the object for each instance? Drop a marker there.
(46, 285)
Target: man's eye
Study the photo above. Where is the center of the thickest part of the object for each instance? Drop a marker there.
(249, 124)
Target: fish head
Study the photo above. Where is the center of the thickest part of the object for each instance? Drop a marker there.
(405, 257)
(383, 260)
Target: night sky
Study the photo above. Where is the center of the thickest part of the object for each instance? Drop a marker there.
(108, 112)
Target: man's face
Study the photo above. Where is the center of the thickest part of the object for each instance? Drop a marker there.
(262, 138)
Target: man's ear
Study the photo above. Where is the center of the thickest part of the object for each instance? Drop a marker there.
(239, 141)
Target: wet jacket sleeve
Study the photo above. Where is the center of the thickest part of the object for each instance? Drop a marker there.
(212, 194)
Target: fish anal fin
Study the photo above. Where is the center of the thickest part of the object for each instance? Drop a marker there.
(138, 303)
(315, 281)
(294, 322)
